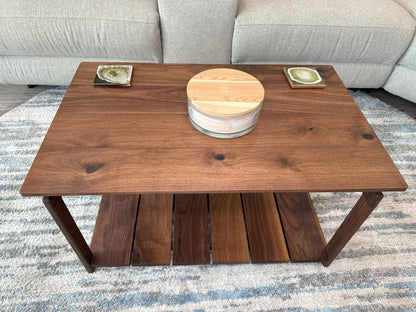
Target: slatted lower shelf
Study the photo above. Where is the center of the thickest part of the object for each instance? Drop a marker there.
(187, 229)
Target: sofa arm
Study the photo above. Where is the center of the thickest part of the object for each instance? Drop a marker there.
(197, 31)
(401, 80)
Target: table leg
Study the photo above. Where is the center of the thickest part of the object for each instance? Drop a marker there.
(362, 209)
(66, 223)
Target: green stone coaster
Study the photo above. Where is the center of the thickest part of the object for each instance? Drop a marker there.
(303, 77)
(113, 75)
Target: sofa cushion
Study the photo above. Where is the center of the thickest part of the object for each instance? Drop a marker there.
(321, 31)
(409, 58)
(401, 79)
(401, 83)
(409, 5)
(49, 70)
(197, 31)
(85, 28)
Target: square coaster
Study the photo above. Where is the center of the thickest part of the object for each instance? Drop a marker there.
(113, 75)
(303, 77)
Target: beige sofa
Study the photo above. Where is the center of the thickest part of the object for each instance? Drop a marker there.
(369, 42)
(403, 78)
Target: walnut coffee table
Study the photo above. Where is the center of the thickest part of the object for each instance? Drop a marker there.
(244, 199)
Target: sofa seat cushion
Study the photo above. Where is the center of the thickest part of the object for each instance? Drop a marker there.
(122, 29)
(321, 31)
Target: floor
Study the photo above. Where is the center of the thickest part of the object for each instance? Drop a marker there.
(14, 95)
(401, 104)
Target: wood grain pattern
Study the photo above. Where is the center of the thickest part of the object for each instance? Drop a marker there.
(117, 141)
(304, 237)
(358, 214)
(228, 231)
(225, 92)
(266, 239)
(152, 242)
(131, 140)
(66, 223)
(191, 236)
(112, 239)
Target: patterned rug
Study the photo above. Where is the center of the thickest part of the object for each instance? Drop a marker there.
(40, 272)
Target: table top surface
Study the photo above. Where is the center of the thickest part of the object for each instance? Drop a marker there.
(138, 139)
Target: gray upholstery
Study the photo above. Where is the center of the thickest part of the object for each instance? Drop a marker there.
(372, 33)
(49, 70)
(105, 29)
(197, 31)
(402, 80)
(369, 42)
(409, 5)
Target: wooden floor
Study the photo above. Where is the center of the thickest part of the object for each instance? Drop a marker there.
(14, 95)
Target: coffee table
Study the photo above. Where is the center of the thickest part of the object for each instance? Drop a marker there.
(244, 199)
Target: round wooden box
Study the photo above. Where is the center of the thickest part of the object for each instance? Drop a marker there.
(224, 103)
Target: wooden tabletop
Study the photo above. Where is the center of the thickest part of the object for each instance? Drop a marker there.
(109, 140)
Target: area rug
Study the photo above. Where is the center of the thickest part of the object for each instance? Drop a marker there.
(39, 271)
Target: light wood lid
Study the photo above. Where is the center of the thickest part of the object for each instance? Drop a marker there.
(225, 92)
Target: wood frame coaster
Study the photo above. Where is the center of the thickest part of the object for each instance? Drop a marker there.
(295, 84)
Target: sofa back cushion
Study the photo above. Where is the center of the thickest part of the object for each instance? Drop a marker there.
(123, 29)
(197, 31)
(366, 37)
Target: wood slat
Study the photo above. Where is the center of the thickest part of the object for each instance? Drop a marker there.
(304, 237)
(266, 239)
(228, 231)
(152, 243)
(190, 234)
(114, 229)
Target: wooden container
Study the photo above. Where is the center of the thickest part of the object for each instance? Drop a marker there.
(224, 103)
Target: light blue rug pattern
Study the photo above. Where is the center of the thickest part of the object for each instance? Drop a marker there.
(40, 272)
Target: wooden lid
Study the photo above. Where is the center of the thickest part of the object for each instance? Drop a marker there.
(225, 92)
